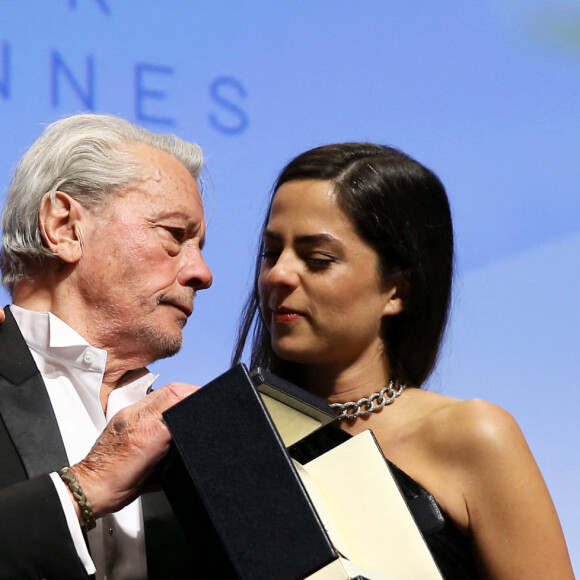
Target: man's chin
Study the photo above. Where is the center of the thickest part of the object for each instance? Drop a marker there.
(161, 345)
(168, 351)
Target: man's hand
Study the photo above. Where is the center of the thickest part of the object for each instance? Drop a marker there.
(2, 315)
(114, 472)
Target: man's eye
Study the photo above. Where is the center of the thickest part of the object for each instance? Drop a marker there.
(178, 234)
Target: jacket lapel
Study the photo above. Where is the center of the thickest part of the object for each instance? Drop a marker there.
(25, 407)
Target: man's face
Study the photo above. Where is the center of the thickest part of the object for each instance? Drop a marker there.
(141, 261)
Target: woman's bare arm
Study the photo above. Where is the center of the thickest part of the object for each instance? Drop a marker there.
(516, 531)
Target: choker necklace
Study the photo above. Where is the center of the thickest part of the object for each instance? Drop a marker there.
(368, 405)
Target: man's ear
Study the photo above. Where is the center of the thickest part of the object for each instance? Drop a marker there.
(59, 220)
(396, 294)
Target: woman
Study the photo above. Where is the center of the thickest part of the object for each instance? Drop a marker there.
(351, 296)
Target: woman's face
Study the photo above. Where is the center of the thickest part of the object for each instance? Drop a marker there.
(322, 297)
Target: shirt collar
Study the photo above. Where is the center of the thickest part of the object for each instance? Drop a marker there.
(50, 336)
(44, 330)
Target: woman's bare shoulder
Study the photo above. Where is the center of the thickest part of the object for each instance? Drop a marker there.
(488, 464)
(469, 430)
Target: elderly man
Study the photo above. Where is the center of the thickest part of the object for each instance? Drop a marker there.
(103, 229)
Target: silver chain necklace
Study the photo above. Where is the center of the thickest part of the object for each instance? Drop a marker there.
(368, 405)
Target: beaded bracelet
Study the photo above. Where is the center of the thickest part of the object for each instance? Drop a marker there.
(84, 503)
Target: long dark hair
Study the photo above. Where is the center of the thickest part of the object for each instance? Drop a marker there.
(401, 209)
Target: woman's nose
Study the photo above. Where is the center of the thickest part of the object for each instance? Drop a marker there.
(283, 271)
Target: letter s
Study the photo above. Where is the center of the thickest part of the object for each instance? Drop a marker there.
(222, 90)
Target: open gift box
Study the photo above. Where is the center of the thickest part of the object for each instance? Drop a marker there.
(251, 511)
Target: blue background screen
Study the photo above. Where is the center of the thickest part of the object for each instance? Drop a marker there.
(487, 94)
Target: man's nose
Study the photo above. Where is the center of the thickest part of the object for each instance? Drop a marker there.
(195, 273)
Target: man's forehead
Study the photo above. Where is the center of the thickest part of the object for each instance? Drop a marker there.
(155, 162)
(162, 175)
(168, 198)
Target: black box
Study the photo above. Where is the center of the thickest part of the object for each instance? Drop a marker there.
(241, 500)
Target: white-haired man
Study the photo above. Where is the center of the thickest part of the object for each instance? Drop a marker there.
(103, 229)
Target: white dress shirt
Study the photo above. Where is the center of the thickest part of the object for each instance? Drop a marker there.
(73, 373)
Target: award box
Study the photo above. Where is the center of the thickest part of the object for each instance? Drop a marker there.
(251, 512)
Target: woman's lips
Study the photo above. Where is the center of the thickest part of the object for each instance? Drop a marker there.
(285, 315)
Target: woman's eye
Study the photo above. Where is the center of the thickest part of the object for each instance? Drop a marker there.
(270, 255)
(319, 260)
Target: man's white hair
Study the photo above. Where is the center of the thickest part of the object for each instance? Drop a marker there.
(87, 156)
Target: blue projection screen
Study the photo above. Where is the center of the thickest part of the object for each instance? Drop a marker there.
(485, 93)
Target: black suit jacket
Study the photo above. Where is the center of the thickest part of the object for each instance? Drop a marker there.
(34, 537)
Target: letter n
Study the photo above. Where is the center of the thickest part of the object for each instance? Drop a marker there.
(60, 70)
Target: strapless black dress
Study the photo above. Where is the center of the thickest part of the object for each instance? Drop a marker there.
(450, 548)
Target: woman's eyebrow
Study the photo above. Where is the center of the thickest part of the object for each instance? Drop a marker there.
(305, 239)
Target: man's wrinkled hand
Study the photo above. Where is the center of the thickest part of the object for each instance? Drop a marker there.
(116, 469)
